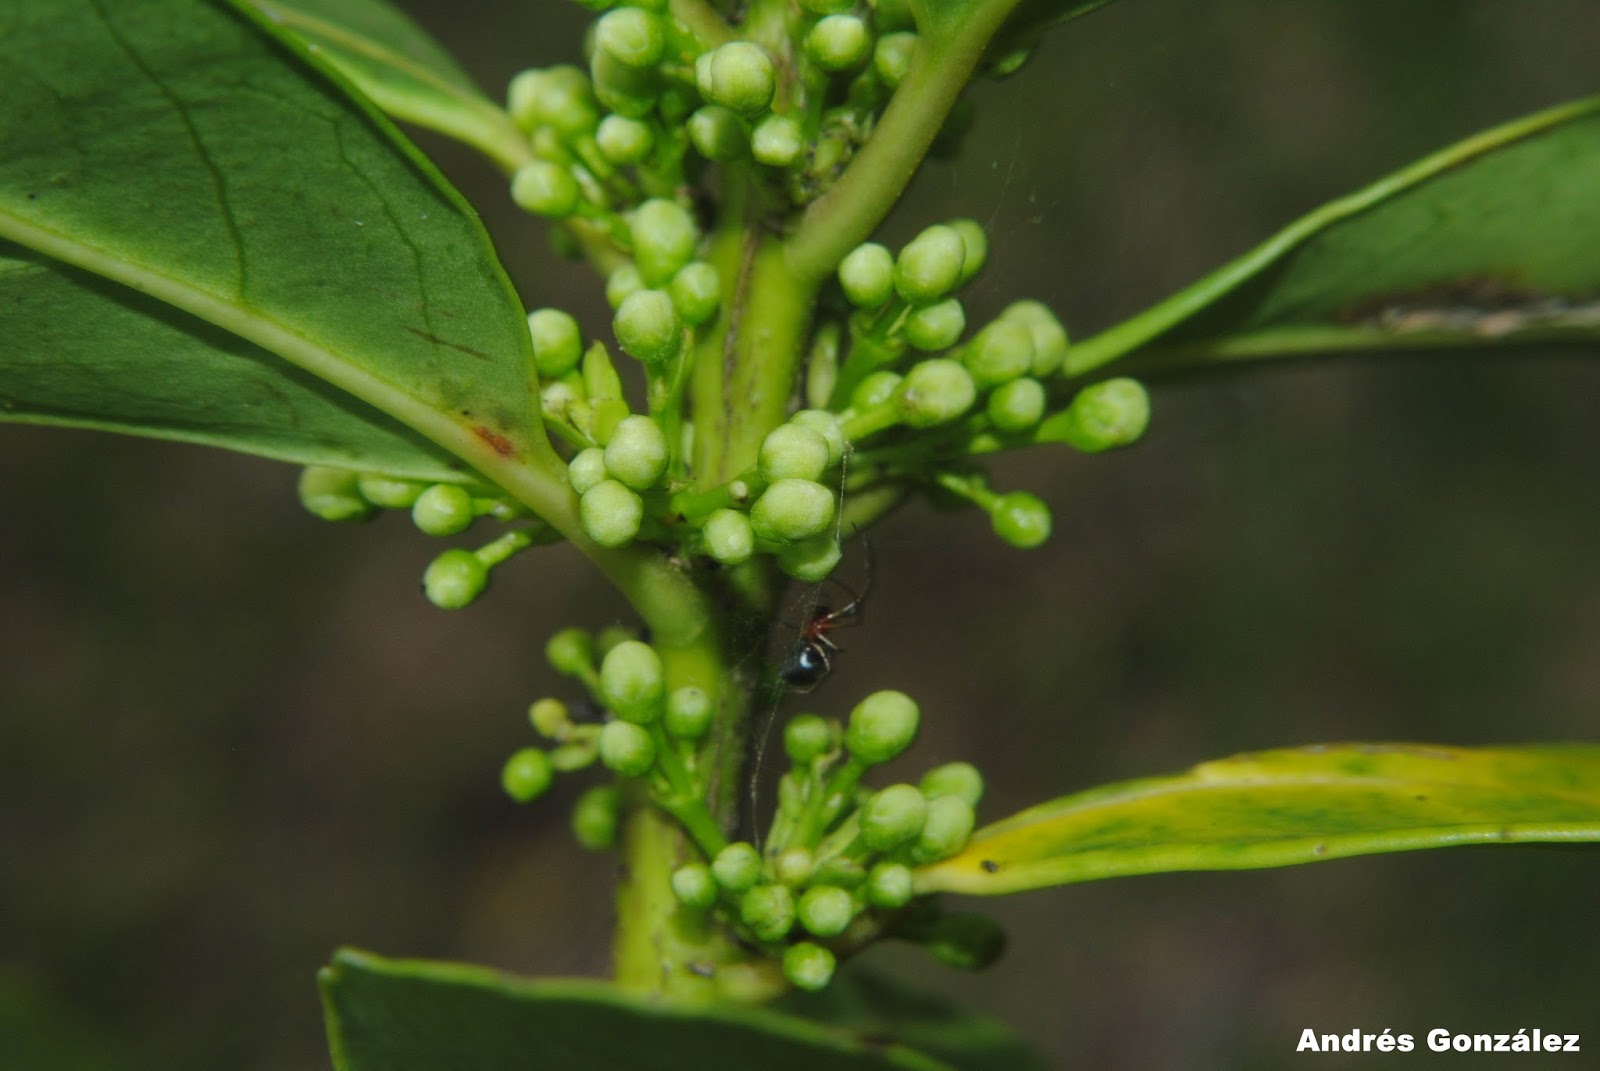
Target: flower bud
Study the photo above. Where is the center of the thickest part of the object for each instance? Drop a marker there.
(892, 817)
(632, 682)
(825, 910)
(637, 452)
(1017, 405)
(937, 326)
(876, 389)
(550, 717)
(807, 738)
(624, 141)
(333, 494)
(611, 514)
(810, 560)
(664, 236)
(595, 817)
(954, 779)
(935, 392)
(741, 78)
(889, 885)
(974, 245)
(930, 265)
(546, 189)
(622, 283)
(587, 468)
(718, 133)
(1102, 416)
(792, 509)
(689, 712)
(626, 749)
(633, 36)
(1000, 353)
(728, 536)
(1049, 337)
(808, 966)
(791, 451)
(696, 292)
(838, 42)
(443, 510)
(694, 886)
(768, 910)
(557, 342)
(946, 829)
(892, 55)
(867, 275)
(390, 492)
(882, 726)
(778, 141)
(454, 579)
(527, 775)
(827, 425)
(570, 652)
(1020, 519)
(737, 867)
(648, 327)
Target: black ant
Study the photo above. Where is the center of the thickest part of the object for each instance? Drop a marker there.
(810, 660)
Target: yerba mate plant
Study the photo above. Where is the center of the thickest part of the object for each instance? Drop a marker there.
(214, 232)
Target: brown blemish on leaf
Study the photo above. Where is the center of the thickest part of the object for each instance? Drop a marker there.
(1487, 306)
(429, 336)
(497, 442)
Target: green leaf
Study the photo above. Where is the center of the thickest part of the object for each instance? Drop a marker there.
(1489, 241)
(1277, 808)
(72, 340)
(411, 1015)
(872, 1004)
(170, 146)
(400, 67)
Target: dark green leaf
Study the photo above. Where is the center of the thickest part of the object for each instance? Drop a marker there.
(1489, 241)
(72, 339)
(409, 1015)
(403, 70)
(1276, 808)
(170, 146)
(872, 1004)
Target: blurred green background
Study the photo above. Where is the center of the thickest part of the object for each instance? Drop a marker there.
(233, 738)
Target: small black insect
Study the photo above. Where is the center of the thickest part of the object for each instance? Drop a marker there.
(810, 660)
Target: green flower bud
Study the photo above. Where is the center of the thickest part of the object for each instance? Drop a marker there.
(1017, 405)
(769, 911)
(570, 758)
(876, 389)
(1102, 416)
(637, 452)
(611, 514)
(694, 886)
(333, 494)
(778, 141)
(612, 635)
(892, 817)
(936, 326)
(867, 275)
(792, 509)
(882, 726)
(689, 712)
(737, 867)
(564, 99)
(807, 738)
(826, 910)
(570, 652)
(648, 327)
(443, 510)
(1049, 337)
(728, 536)
(550, 717)
(827, 425)
(1001, 352)
(624, 141)
(960, 779)
(587, 468)
(889, 885)
(793, 452)
(930, 265)
(794, 866)
(946, 829)
(892, 56)
(664, 236)
(967, 941)
(808, 966)
(546, 189)
(810, 560)
(718, 133)
(741, 78)
(838, 42)
(1020, 519)
(696, 292)
(839, 870)
(390, 492)
(557, 342)
(626, 749)
(935, 392)
(454, 579)
(621, 284)
(522, 95)
(527, 775)
(633, 36)
(632, 682)
(975, 246)
(595, 817)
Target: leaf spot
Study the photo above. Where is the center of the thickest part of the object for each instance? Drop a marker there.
(497, 442)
